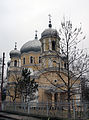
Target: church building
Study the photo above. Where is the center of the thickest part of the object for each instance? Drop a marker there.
(41, 58)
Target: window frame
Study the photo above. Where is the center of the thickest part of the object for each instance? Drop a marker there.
(15, 63)
(39, 59)
(31, 59)
(24, 61)
(53, 45)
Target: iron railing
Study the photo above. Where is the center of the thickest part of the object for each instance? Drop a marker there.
(49, 109)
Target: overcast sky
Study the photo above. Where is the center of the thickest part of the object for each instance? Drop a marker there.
(20, 18)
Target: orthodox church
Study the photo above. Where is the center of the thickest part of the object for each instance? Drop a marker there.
(40, 56)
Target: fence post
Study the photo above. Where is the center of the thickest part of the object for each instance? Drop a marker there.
(28, 108)
(15, 105)
(2, 106)
(74, 109)
(24, 107)
(85, 110)
(47, 109)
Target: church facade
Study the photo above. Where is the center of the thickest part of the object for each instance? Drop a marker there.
(41, 58)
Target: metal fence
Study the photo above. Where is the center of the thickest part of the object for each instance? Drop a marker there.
(59, 110)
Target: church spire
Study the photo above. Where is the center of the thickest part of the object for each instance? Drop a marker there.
(15, 46)
(36, 34)
(50, 25)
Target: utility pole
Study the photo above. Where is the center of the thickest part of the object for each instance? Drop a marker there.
(2, 72)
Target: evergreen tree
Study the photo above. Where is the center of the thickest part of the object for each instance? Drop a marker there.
(27, 87)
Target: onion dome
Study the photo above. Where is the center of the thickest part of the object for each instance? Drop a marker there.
(31, 46)
(49, 33)
(15, 52)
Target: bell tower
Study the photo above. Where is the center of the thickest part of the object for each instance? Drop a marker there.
(50, 41)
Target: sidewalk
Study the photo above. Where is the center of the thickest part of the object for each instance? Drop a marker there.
(17, 117)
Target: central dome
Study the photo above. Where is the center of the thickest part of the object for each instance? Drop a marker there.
(30, 46)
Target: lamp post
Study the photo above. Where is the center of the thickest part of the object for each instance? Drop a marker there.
(2, 74)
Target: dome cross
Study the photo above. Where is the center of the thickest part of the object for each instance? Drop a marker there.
(36, 34)
(50, 25)
(15, 45)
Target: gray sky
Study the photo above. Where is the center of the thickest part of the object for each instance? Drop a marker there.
(20, 18)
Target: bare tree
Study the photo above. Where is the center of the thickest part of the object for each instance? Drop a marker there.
(75, 60)
(12, 87)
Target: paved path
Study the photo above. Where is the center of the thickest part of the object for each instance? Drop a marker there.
(16, 117)
(4, 118)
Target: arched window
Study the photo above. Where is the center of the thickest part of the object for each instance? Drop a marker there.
(55, 97)
(24, 60)
(8, 64)
(42, 47)
(15, 63)
(65, 65)
(31, 59)
(53, 45)
(39, 59)
(55, 81)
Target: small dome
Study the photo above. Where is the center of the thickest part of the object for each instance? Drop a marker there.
(49, 33)
(34, 46)
(15, 53)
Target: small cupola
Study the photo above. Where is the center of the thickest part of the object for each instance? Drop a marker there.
(15, 52)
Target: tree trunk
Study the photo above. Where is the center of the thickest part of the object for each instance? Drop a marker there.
(69, 106)
(68, 75)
